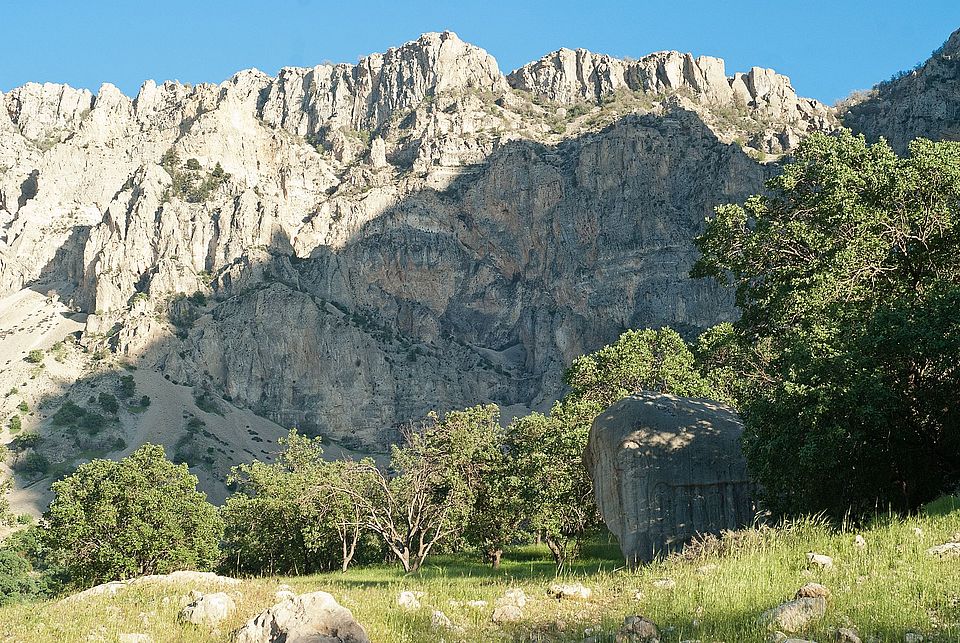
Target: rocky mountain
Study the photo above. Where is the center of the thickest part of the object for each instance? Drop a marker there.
(924, 101)
(346, 247)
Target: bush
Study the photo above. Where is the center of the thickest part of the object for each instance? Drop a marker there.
(24, 407)
(24, 442)
(141, 515)
(68, 414)
(16, 581)
(92, 423)
(145, 400)
(34, 465)
(15, 424)
(127, 386)
(35, 356)
(109, 403)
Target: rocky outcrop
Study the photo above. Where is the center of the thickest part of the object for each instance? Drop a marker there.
(308, 617)
(346, 247)
(567, 76)
(665, 469)
(924, 101)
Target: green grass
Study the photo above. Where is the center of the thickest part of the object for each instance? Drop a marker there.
(885, 590)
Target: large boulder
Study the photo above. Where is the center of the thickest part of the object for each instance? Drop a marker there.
(308, 618)
(666, 468)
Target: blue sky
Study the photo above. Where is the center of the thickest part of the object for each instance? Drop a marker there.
(827, 48)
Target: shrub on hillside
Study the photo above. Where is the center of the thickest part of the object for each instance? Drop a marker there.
(16, 580)
(108, 403)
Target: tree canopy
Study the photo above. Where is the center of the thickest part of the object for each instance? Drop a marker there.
(847, 273)
(140, 515)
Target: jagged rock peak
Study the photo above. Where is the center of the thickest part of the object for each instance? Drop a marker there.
(365, 95)
(568, 76)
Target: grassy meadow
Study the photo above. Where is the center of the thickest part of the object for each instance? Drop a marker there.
(885, 590)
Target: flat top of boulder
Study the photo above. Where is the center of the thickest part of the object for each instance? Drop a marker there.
(659, 421)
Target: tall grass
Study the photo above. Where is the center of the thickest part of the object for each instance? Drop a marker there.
(885, 589)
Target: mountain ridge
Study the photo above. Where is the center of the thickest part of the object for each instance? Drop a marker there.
(344, 248)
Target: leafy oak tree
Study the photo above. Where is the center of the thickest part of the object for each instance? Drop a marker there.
(140, 515)
(557, 489)
(847, 273)
(285, 519)
(427, 495)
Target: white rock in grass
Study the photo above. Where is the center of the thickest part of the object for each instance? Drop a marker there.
(440, 621)
(409, 601)
(638, 629)
(812, 590)
(507, 614)
(919, 534)
(848, 635)
(134, 638)
(477, 604)
(912, 637)
(859, 541)
(572, 591)
(309, 617)
(819, 560)
(946, 550)
(208, 609)
(794, 615)
(513, 597)
(665, 583)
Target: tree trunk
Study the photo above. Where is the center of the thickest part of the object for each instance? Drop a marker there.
(559, 555)
(349, 552)
(495, 557)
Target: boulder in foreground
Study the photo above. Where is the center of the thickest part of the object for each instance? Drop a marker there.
(307, 618)
(666, 468)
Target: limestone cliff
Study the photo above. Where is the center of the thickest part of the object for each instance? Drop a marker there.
(924, 101)
(346, 247)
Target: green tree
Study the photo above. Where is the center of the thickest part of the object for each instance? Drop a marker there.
(557, 489)
(427, 494)
(35, 356)
(16, 581)
(847, 274)
(277, 522)
(108, 402)
(640, 360)
(501, 502)
(140, 515)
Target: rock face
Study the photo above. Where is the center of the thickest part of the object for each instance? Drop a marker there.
(344, 248)
(305, 618)
(666, 468)
(922, 102)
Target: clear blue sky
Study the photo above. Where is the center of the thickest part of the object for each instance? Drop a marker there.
(828, 48)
